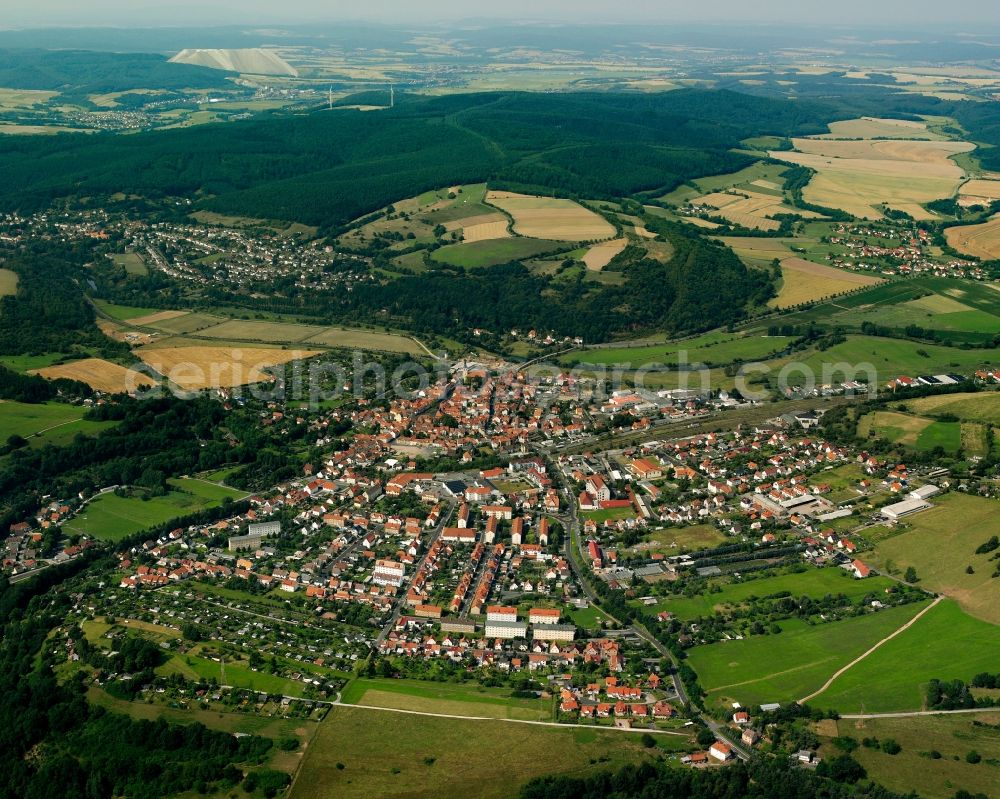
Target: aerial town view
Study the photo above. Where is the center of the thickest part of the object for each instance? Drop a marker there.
(526, 402)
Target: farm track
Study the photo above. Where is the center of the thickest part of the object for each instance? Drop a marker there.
(861, 657)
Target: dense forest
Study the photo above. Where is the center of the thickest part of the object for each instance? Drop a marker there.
(328, 168)
(84, 72)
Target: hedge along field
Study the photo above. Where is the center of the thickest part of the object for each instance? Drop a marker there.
(794, 663)
(945, 644)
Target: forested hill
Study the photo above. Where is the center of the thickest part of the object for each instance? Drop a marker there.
(328, 167)
(82, 71)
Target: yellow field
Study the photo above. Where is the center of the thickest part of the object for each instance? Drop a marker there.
(909, 427)
(871, 128)
(23, 98)
(194, 368)
(484, 231)
(979, 192)
(600, 255)
(550, 218)
(857, 176)
(159, 316)
(750, 209)
(983, 240)
(8, 283)
(804, 281)
(99, 374)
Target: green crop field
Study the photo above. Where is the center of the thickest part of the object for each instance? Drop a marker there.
(711, 349)
(45, 423)
(792, 664)
(400, 756)
(8, 283)
(916, 432)
(451, 698)
(941, 550)
(815, 583)
(979, 407)
(112, 518)
(946, 643)
(26, 363)
(476, 254)
(939, 777)
(123, 312)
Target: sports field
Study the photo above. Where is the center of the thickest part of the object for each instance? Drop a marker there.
(360, 754)
(804, 281)
(132, 262)
(946, 643)
(550, 218)
(100, 375)
(941, 550)
(794, 663)
(111, 518)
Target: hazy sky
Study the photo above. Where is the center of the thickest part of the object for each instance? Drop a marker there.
(975, 14)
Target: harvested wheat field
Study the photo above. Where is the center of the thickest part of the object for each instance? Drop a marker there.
(99, 374)
(858, 176)
(751, 210)
(804, 281)
(484, 231)
(600, 255)
(872, 128)
(550, 218)
(194, 368)
(982, 241)
(979, 192)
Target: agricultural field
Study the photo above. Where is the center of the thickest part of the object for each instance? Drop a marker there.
(915, 432)
(859, 176)
(449, 698)
(8, 283)
(979, 191)
(398, 756)
(939, 777)
(749, 209)
(946, 643)
(196, 367)
(123, 313)
(874, 128)
(982, 241)
(791, 665)
(100, 375)
(974, 407)
(600, 255)
(550, 218)
(45, 423)
(760, 177)
(803, 281)
(711, 348)
(941, 551)
(13, 99)
(111, 518)
(475, 255)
